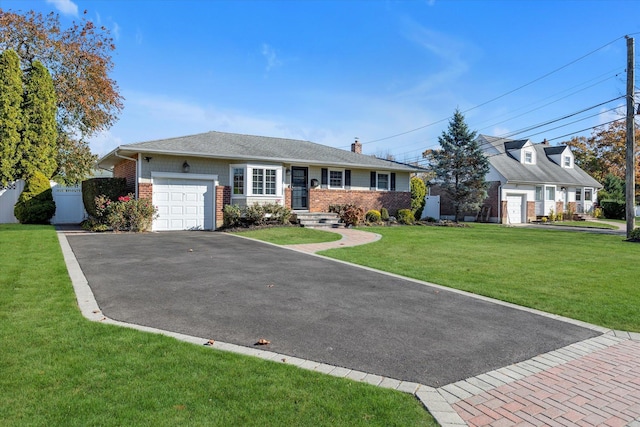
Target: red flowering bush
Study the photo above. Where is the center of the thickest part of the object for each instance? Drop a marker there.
(125, 214)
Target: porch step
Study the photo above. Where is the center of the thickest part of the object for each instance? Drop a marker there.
(318, 219)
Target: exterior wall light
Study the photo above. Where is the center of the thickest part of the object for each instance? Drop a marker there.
(185, 167)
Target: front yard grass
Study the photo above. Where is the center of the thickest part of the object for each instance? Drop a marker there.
(584, 276)
(57, 368)
(583, 224)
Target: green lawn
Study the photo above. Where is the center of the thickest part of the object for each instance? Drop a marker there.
(590, 277)
(59, 369)
(291, 235)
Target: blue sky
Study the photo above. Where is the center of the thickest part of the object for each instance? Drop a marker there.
(329, 71)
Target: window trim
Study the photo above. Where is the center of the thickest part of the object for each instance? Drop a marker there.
(565, 160)
(235, 168)
(388, 174)
(528, 157)
(248, 190)
(335, 187)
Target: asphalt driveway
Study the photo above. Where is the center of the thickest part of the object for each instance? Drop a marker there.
(214, 285)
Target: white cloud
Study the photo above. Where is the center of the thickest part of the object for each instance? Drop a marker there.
(450, 55)
(270, 55)
(104, 142)
(66, 7)
(116, 31)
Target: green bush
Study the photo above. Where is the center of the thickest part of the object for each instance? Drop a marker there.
(125, 214)
(112, 188)
(35, 204)
(373, 216)
(613, 209)
(418, 194)
(406, 216)
(256, 214)
(635, 235)
(231, 215)
(384, 214)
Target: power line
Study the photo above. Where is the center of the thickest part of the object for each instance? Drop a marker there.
(498, 97)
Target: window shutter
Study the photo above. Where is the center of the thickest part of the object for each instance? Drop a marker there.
(393, 181)
(373, 181)
(324, 179)
(347, 178)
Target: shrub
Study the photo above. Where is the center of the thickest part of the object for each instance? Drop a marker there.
(231, 215)
(373, 216)
(405, 216)
(384, 214)
(597, 212)
(418, 193)
(256, 214)
(613, 209)
(552, 215)
(111, 188)
(349, 214)
(35, 204)
(635, 235)
(124, 214)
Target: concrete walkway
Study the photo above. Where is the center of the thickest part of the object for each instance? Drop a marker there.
(595, 382)
(350, 237)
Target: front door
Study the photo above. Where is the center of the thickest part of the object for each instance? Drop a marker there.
(299, 188)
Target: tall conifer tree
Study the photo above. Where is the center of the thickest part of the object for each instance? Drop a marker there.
(10, 115)
(38, 145)
(460, 166)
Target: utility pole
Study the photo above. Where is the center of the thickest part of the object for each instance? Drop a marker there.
(630, 175)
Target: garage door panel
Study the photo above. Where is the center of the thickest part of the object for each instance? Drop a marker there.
(183, 204)
(514, 209)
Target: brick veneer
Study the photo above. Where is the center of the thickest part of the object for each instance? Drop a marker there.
(223, 197)
(320, 199)
(531, 211)
(126, 169)
(145, 190)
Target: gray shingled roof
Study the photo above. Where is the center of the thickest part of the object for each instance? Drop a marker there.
(255, 148)
(544, 171)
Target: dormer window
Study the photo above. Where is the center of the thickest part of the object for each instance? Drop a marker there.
(567, 161)
(528, 157)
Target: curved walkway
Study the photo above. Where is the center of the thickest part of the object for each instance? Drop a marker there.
(350, 237)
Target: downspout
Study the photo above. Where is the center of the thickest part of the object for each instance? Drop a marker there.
(500, 204)
(136, 162)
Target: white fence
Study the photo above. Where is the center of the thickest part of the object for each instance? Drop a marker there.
(69, 206)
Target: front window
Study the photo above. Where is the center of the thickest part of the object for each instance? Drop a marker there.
(551, 193)
(567, 161)
(335, 179)
(383, 181)
(270, 181)
(587, 195)
(539, 194)
(578, 194)
(264, 181)
(238, 180)
(258, 181)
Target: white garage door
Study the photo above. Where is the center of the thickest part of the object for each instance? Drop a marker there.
(183, 204)
(514, 209)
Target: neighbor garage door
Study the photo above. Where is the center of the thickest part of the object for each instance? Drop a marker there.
(183, 204)
(514, 209)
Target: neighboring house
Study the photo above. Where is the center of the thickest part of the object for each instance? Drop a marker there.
(529, 181)
(191, 178)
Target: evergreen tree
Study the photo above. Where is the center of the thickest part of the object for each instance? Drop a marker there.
(10, 115)
(38, 145)
(460, 166)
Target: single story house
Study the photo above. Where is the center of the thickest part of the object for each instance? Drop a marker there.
(529, 181)
(191, 178)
